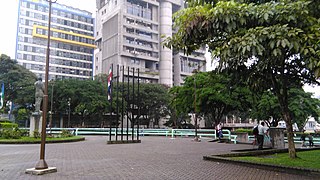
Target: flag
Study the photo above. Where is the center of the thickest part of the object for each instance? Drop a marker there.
(109, 83)
(1, 95)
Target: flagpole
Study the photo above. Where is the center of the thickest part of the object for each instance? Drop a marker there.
(117, 102)
(122, 101)
(128, 101)
(133, 108)
(110, 99)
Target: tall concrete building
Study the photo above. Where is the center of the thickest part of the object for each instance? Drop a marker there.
(72, 40)
(129, 33)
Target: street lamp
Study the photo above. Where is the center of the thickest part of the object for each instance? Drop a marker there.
(69, 103)
(41, 164)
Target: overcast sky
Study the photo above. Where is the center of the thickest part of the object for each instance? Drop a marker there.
(8, 21)
(9, 15)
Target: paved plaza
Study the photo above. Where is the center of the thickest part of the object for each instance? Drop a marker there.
(154, 158)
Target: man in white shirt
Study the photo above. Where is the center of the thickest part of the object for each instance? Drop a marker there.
(262, 131)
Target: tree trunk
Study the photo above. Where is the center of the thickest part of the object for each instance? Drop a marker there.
(291, 146)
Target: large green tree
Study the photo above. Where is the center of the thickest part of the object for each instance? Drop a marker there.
(153, 100)
(301, 106)
(212, 96)
(87, 98)
(18, 82)
(270, 43)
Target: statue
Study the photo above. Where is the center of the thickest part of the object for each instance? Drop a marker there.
(39, 94)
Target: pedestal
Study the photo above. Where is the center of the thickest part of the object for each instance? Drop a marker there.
(34, 171)
(35, 123)
(277, 137)
(242, 137)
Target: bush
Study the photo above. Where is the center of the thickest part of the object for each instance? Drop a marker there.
(66, 133)
(249, 131)
(36, 134)
(8, 125)
(15, 133)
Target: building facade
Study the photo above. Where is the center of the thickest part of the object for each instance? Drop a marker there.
(72, 40)
(129, 33)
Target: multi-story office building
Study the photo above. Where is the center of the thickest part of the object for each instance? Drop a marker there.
(72, 42)
(130, 32)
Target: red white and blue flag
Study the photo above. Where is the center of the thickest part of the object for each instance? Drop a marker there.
(110, 83)
(2, 95)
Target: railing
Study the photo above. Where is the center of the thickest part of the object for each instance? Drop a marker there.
(202, 133)
(297, 140)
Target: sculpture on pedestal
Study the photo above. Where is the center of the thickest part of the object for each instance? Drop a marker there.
(38, 94)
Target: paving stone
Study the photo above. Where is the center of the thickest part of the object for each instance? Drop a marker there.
(155, 158)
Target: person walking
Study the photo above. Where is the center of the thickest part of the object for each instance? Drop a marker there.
(262, 131)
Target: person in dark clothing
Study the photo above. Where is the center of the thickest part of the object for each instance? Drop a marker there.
(310, 137)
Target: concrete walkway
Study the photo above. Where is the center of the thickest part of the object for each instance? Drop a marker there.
(155, 158)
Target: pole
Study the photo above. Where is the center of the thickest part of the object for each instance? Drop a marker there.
(41, 164)
(69, 111)
(110, 128)
(138, 104)
(132, 110)
(50, 122)
(195, 110)
(128, 101)
(117, 121)
(122, 101)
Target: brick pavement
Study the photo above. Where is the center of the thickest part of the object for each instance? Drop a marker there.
(155, 158)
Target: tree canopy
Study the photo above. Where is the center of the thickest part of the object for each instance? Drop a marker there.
(18, 82)
(216, 96)
(269, 43)
(301, 105)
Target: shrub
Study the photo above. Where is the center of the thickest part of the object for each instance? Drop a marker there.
(249, 131)
(11, 133)
(36, 134)
(8, 125)
(66, 133)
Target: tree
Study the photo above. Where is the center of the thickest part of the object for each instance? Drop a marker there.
(217, 96)
(301, 106)
(153, 101)
(266, 107)
(87, 98)
(18, 82)
(270, 43)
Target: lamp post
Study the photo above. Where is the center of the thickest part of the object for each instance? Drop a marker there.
(195, 108)
(69, 103)
(50, 122)
(41, 164)
(195, 71)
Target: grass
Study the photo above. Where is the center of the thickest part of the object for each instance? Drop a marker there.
(306, 159)
(38, 140)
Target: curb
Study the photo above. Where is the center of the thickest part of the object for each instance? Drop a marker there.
(47, 141)
(278, 168)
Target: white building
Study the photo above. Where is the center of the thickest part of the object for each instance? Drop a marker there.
(72, 41)
(129, 33)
